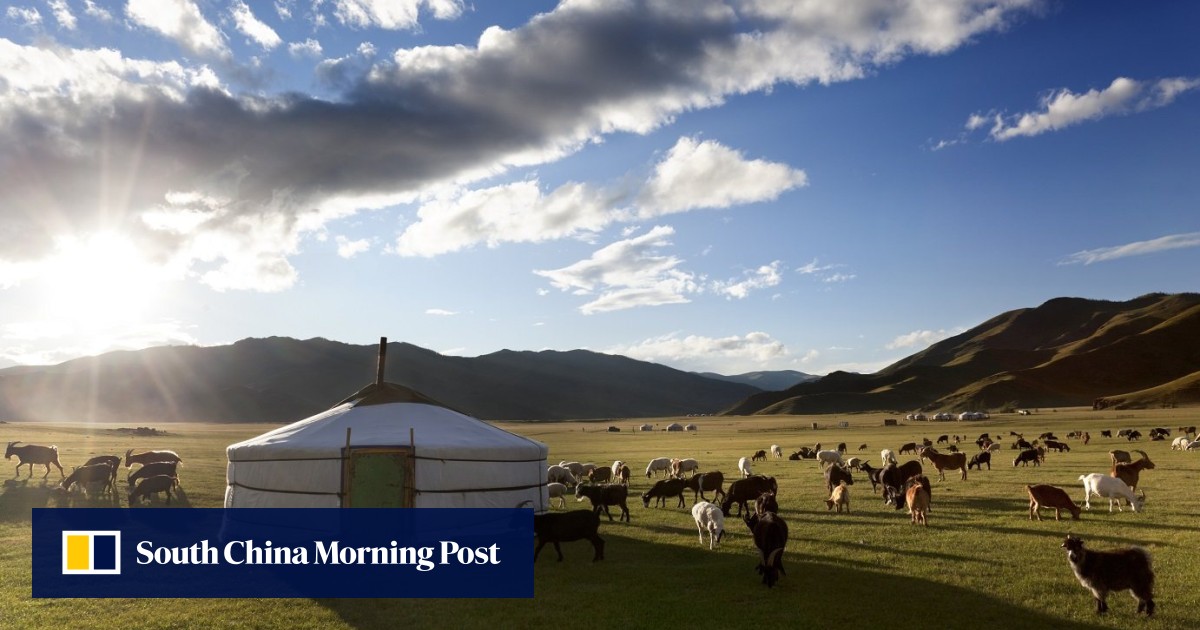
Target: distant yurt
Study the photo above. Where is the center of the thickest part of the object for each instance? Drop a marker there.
(690, 427)
(388, 446)
(646, 427)
(674, 426)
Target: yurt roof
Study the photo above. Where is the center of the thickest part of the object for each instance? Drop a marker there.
(382, 415)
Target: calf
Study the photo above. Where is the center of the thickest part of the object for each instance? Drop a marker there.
(568, 527)
(604, 496)
(700, 482)
(31, 454)
(770, 536)
(979, 459)
(664, 489)
(1102, 572)
(152, 485)
(1046, 496)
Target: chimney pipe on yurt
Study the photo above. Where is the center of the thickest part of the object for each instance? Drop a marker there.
(382, 360)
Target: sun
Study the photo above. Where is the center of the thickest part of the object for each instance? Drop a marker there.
(102, 280)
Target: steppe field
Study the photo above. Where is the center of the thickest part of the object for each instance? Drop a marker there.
(979, 564)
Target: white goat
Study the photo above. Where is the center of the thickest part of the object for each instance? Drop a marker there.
(776, 450)
(557, 491)
(709, 518)
(616, 468)
(886, 456)
(744, 467)
(1180, 443)
(657, 464)
(681, 466)
(830, 457)
(1110, 488)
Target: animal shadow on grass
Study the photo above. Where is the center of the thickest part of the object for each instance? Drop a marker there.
(21, 496)
(179, 499)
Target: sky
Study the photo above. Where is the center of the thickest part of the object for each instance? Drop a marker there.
(715, 186)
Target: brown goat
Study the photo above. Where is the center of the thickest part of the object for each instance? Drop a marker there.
(918, 503)
(146, 457)
(1128, 472)
(1046, 496)
(943, 462)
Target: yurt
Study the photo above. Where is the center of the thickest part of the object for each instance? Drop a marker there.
(646, 427)
(690, 427)
(387, 446)
(674, 426)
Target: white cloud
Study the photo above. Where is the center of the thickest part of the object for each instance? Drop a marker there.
(25, 16)
(284, 9)
(50, 342)
(839, 277)
(62, 14)
(349, 249)
(181, 21)
(1064, 108)
(252, 27)
(1137, 248)
(696, 352)
(392, 14)
(92, 10)
(813, 268)
(920, 338)
(761, 278)
(307, 48)
(441, 312)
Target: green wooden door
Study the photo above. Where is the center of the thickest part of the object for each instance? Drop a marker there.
(377, 479)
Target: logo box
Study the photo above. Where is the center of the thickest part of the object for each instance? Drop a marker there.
(91, 553)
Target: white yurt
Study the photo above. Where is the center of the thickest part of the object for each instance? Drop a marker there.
(388, 446)
(674, 426)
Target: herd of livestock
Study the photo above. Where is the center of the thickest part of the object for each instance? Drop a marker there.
(157, 472)
(902, 485)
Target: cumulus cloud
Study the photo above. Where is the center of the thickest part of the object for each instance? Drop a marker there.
(181, 21)
(252, 27)
(1136, 248)
(347, 248)
(307, 48)
(920, 338)
(392, 14)
(735, 353)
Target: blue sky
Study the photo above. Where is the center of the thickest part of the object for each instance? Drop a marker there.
(725, 186)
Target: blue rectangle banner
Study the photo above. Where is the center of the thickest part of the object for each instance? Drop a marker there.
(250, 552)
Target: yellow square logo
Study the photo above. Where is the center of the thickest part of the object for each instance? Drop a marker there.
(91, 552)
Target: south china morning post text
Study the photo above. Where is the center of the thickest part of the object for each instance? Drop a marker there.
(247, 552)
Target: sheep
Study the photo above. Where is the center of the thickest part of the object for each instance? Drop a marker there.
(152, 485)
(993, 447)
(700, 482)
(834, 475)
(743, 491)
(1046, 496)
(585, 470)
(1102, 572)
(557, 491)
(979, 459)
(568, 527)
(576, 468)
(943, 462)
(657, 464)
(839, 497)
(154, 469)
(663, 489)
(146, 457)
(759, 456)
(561, 475)
(34, 454)
(681, 466)
(1026, 456)
(744, 467)
(770, 536)
(1129, 472)
(604, 496)
(709, 519)
(84, 475)
(1110, 488)
(917, 497)
(886, 456)
(829, 457)
(777, 451)
(1117, 456)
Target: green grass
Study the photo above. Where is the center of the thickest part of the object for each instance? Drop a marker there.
(980, 563)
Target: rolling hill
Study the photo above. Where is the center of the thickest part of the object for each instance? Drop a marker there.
(281, 379)
(766, 380)
(1066, 352)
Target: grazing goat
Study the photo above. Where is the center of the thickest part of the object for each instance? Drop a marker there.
(154, 469)
(700, 482)
(146, 457)
(926, 442)
(93, 474)
(839, 497)
(664, 489)
(777, 451)
(112, 461)
(1110, 488)
(834, 475)
(917, 497)
(743, 491)
(681, 466)
(892, 479)
(1117, 456)
(1129, 473)
(1049, 435)
(1134, 435)
(152, 485)
(911, 447)
(943, 462)
(854, 462)
(841, 448)
(709, 519)
(1057, 446)
(568, 527)
(1046, 496)
(829, 457)
(979, 459)
(943, 439)
(657, 464)
(1102, 572)
(770, 536)
(34, 454)
(886, 456)
(1026, 456)
(759, 456)
(557, 491)
(1021, 444)
(862, 447)
(604, 496)
(744, 467)
(766, 503)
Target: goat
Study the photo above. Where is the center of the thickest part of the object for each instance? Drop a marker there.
(917, 497)
(1106, 433)
(34, 454)
(839, 497)
(1129, 472)
(979, 459)
(910, 447)
(1046, 496)
(766, 503)
(841, 448)
(1110, 488)
(662, 490)
(112, 461)
(759, 456)
(600, 474)
(943, 439)
(1026, 456)
(943, 462)
(623, 477)
(145, 457)
(657, 464)
(585, 470)
(153, 469)
(1118, 456)
(84, 475)
(1057, 446)
(743, 491)
(926, 442)
(709, 519)
(770, 536)
(604, 496)
(1021, 444)
(680, 466)
(834, 475)
(1180, 443)
(854, 462)
(777, 451)
(862, 447)
(993, 447)
(562, 475)
(1134, 435)
(829, 457)
(892, 479)
(700, 482)
(1049, 435)
(616, 468)
(886, 456)
(1102, 572)
(557, 491)
(744, 467)
(806, 453)
(568, 527)
(152, 485)
(795, 457)
(872, 475)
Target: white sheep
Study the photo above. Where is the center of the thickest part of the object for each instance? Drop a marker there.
(1110, 488)
(657, 464)
(709, 518)
(829, 457)
(1180, 443)
(744, 467)
(854, 462)
(886, 456)
(576, 468)
(777, 450)
(557, 491)
(679, 467)
(560, 474)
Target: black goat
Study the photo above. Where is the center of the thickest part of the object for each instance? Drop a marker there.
(84, 475)
(604, 496)
(872, 475)
(760, 456)
(1134, 435)
(766, 503)
(770, 536)
(899, 497)
(154, 469)
(700, 482)
(834, 474)
(795, 457)
(1106, 433)
(113, 461)
(152, 485)
(600, 474)
(1057, 446)
(662, 490)
(892, 478)
(1026, 456)
(841, 447)
(567, 527)
(1102, 572)
(979, 459)
(34, 454)
(743, 491)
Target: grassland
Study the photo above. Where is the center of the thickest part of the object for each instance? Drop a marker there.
(980, 564)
